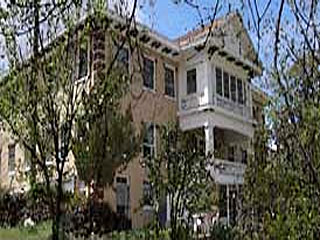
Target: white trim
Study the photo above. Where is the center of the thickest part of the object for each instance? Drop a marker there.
(186, 79)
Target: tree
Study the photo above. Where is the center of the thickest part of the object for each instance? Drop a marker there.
(179, 172)
(282, 182)
(41, 100)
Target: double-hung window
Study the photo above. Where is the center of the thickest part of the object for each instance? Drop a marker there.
(169, 82)
(192, 81)
(148, 73)
(219, 81)
(123, 59)
(148, 147)
(11, 157)
(226, 84)
(123, 197)
(233, 87)
(147, 194)
(240, 91)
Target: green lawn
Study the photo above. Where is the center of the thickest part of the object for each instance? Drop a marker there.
(41, 231)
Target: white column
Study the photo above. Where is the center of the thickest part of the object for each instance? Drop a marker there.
(209, 136)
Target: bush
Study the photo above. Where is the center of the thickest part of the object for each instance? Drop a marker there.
(222, 232)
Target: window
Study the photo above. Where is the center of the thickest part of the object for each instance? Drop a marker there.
(83, 61)
(226, 85)
(244, 156)
(223, 200)
(147, 193)
(123, 196)
(244, 93)
(123, 59)
(148, 73)
(169, 82)
(231, 153)
(12, 158)
(233, 83)
(149, 141)
(219, 81)
(192, 81)
(240, 91)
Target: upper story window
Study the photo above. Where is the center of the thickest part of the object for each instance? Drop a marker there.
(233, 87)
(219, 81)
(148, 147)
(169, 81)
(148, 73)
(123, 59)
(83, 61)
(192, 81)
(230, 87)
(240, 91)
(226, 86)
(11, 157)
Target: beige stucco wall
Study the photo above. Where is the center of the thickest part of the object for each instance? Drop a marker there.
(146, 106)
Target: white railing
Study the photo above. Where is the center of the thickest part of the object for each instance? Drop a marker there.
(227, 172)
(231, 106)
(190, 102)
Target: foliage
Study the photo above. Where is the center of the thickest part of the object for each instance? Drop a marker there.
(179, 172)
(16, 207)
(40, 231)
(222, 232)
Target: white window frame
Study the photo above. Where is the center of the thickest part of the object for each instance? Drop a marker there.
(146, 207)
(128, 184)
(154, 140)
(153, 59)
(174, 81)
(186, 79)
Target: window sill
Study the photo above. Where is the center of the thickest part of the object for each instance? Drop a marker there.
(147, 208)
(170, 98)
(152, 90)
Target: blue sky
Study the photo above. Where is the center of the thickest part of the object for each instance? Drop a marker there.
(173, 20)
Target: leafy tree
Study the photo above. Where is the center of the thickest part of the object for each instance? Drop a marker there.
(282, 180)
(179, 172)
(41, 101)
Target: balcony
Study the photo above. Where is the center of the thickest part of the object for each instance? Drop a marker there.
(227, 172)
(233, 107)
(194, 103)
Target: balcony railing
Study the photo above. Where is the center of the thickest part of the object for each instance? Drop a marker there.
(227, 172)
(192, 102)
(231, 106)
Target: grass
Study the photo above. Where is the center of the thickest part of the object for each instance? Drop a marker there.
(41, 231)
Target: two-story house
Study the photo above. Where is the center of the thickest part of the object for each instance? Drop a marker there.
(203, 81)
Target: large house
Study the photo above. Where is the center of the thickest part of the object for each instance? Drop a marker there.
(203, 81)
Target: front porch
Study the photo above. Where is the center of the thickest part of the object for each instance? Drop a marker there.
(230, 154)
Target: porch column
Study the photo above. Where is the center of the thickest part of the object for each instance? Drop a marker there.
(209, 136)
